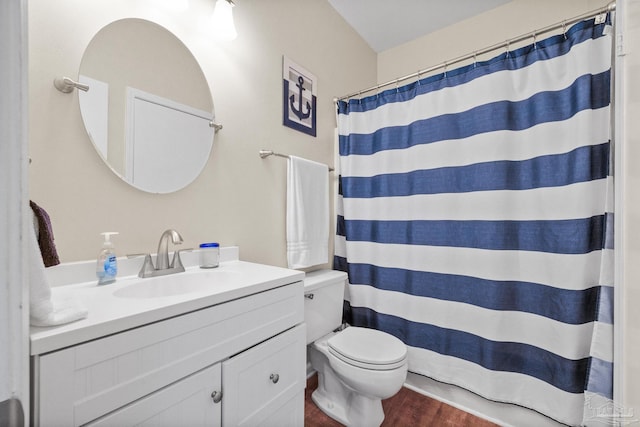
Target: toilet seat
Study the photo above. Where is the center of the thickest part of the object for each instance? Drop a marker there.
(368, 348)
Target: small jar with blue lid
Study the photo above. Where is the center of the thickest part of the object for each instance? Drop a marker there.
(209, 255)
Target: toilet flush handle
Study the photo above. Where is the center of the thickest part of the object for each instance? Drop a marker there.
(308, 296)
(274, 378)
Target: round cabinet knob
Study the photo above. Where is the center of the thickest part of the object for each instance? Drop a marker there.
(216, 396)
(274, 378)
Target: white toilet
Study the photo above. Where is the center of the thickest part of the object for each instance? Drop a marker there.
(357, 367)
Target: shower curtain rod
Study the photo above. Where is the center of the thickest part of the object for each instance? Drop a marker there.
(473, 55)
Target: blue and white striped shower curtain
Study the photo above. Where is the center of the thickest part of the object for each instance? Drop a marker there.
(474, 221)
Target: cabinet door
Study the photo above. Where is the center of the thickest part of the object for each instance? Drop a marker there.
(265, 384)
(187, 402)
(291, 414)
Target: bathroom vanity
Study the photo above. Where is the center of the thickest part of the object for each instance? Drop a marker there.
(224, 346)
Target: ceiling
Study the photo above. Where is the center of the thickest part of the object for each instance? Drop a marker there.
(385, 24)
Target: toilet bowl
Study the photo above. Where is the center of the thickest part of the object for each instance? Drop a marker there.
(351, 387)
(357, 367)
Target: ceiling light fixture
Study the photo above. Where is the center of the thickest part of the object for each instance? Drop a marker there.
(222, 20)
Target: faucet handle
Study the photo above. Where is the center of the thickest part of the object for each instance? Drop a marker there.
(176, 262)
(147, 267)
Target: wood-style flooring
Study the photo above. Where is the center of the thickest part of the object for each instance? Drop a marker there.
(405, 409)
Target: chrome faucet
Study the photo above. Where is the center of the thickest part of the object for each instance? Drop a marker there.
(163, 267)
(162, 256)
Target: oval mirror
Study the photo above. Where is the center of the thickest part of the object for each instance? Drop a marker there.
(148, 110)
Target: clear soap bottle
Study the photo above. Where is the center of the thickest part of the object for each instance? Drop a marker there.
(107, 264)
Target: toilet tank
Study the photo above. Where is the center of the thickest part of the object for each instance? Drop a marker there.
(324, 295)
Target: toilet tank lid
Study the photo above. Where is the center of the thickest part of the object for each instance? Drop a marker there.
(319, 278)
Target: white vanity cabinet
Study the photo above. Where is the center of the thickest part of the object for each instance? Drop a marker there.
(250, 351)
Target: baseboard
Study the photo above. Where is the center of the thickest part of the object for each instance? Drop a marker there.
(310, 370)
(503, 414)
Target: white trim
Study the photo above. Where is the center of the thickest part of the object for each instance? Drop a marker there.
(503, 414)
(620, 177)
(14, 294)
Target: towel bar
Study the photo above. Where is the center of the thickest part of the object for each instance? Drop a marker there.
(266, 153)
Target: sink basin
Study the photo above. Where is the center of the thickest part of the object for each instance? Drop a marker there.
(174, 284)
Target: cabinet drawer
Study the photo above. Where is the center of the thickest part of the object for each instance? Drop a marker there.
(264, 380)
(81, 383)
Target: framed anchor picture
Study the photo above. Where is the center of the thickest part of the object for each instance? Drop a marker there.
(299, 97)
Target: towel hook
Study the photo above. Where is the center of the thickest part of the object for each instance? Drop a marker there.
(67, 85)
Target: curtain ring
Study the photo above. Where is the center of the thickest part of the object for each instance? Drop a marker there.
(445, 69)
(535, 45)
(475, 59)
(419, 77)
(564, 29)
(507, 46)
(397, 86)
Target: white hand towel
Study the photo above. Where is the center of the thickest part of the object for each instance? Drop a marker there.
(43, 311)
(307, 213)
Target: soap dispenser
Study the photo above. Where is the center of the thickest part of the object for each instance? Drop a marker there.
(107, 264)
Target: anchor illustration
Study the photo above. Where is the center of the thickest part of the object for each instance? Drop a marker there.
(298, 111)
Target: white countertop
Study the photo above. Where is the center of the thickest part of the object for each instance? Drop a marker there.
(109, 314)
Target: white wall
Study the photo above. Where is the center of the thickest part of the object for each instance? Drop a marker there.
(239, 199)
(505, 22)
